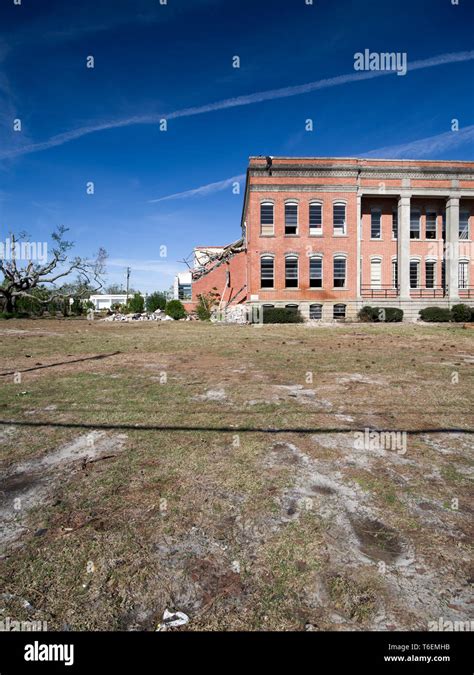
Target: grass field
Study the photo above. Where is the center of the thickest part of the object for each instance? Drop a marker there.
(217, 470)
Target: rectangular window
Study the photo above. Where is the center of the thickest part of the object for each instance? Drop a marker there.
(429, 274)
(464, 225)
(394, 273)
(266, 272)
(291, 272)
(375, 224)
(414, 224)
(462, 277)
(315, 219)
(315, 272)
(431, 218)
(184, 291)
(395, 224)
(339, 218)
(339, 312)
(376, 273)
(266, 219)
(339, 272)
(414, 274)
(315, 311)
(291, 218)
(443, 275)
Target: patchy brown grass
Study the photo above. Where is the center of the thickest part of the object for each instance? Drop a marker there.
(229, 485)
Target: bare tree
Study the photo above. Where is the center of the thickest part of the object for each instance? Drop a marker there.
(21, 281)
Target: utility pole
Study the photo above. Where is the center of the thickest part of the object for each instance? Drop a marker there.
(128, 282)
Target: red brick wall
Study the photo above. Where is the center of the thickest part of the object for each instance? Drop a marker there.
(217, 280)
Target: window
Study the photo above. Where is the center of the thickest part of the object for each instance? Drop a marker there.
(291, 271)
(394, 273)
(339, 218)
(291, 218)
(462, 276)
(375, 224)
(266, 219)
(315, 218)
(464, 225)
(431, 217)
(443, 275)
(339, 312)
(395, 224)
(184, 291)
(315, 272)
(266, 271)
(315, 311)
(430, 274)
(339, 272)
(415, 224)
(376, 273)
(414, 273)
(293, 308)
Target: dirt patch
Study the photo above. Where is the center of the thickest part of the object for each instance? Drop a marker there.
(376, 540)
(30, 484)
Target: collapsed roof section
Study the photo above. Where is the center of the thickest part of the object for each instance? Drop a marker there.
(210, 260)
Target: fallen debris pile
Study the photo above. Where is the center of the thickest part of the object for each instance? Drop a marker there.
(230, 314)
(157, 315)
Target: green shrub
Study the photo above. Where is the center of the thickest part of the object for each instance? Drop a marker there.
(206, 301)
(387, 314)
(435, 314)
(368, 313)
(393, 314)
(156, 301)
(281, 315)
(175, 309)
(135, 304)
(461, 313)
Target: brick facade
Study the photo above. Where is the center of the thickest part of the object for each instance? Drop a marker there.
(434, 195)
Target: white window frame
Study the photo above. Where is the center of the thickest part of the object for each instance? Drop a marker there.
(376, 210)
(337, 233)
(463, 279)
(315, 256)
(318, 230)
(293, 256)
(292, 202)
(268, 256)
(267, 202)
(339, 256)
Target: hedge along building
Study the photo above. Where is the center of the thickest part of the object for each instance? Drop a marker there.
(329, 235)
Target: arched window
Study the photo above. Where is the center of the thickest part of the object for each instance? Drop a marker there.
(291, 271)
(291, 218)
(463, 276)
(266, 219)
(339, 271)
(376, 273)
(339, 218)
(267, 271)
(315, 218)
(315, 312)
(316, 271)
(414, 273)
(430, 273)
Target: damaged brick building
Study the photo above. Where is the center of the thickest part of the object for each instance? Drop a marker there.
(329, 235)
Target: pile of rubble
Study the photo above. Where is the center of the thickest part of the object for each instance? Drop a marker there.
(157, 315)
(230, 314)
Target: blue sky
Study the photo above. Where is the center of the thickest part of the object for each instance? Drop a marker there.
(174, 61)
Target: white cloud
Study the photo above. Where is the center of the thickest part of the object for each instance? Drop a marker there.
(258, 97)
(430, 146)
(203, 190)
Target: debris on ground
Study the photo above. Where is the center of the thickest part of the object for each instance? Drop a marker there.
(172, 620)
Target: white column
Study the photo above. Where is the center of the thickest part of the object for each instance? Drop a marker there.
(403, 258)
(359, 234)
(452, 247)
